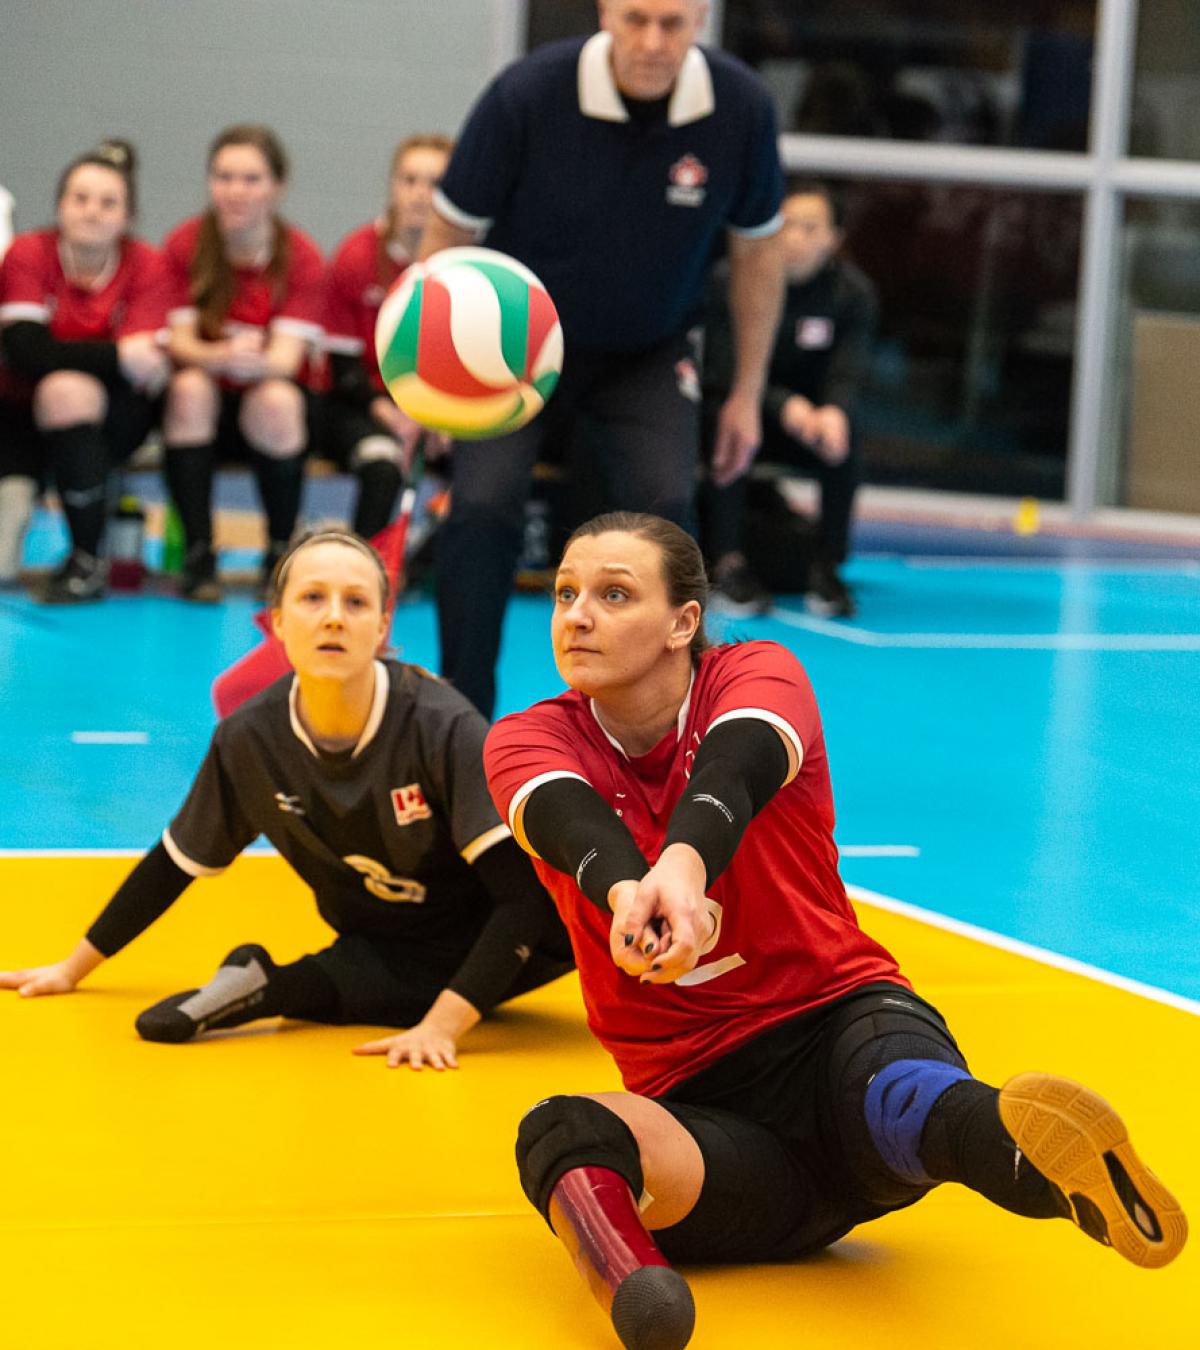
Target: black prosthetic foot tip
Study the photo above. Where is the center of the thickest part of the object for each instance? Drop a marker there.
(653, 1310)
(165, 1022)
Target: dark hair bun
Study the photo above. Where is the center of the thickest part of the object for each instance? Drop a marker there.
(120, 154)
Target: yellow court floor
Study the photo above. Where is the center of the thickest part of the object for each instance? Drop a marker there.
(265, 1188)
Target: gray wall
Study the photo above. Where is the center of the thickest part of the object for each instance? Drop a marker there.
(340, 82)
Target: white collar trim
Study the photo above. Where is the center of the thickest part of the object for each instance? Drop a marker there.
(691, 99)
(374, 717)
(680, 721)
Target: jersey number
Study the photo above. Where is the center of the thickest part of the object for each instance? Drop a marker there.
(710, 971)
(383, 885)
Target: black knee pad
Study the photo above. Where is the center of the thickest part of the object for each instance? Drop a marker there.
(562, 1133)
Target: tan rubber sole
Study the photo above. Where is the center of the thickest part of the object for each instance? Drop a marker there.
(1065, 1129)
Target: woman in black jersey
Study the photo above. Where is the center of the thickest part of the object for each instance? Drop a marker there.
(367, 776)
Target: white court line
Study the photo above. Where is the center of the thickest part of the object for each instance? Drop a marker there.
(879, 851)
(1052, 642)
(1019, 948)
(1134, 566)
(111, 737)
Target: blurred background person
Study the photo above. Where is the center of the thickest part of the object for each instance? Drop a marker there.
(244, 312)
(364, 430)
(81, 310)
(818, 362)
(613, 167)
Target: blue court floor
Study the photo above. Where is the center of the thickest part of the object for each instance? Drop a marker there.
(1012, 726)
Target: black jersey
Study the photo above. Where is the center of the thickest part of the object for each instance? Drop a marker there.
(384, 833)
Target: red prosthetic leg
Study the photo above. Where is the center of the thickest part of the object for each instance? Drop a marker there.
(593, 1212)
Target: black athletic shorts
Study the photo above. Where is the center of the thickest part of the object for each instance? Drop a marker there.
(394, 983)
(229, 441)
(789, 1163)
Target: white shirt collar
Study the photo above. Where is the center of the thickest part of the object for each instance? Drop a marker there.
(680, 721)
(691, 99)
(374, 717)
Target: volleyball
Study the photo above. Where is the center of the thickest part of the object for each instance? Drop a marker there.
(469, 343)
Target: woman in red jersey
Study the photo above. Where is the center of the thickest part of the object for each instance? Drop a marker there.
(365, 430)
(244, 311)
(784, 1081)
(80, 309)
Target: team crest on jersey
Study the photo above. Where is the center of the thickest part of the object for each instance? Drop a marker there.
(373, 296)
(409, 804)
(687, 178)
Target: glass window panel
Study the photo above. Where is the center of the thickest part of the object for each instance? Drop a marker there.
(997, 72)
(969, 385)
(1159, 355)
(1166, 91)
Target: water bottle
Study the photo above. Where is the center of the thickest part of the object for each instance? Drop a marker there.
(126, 536)
(174, 546)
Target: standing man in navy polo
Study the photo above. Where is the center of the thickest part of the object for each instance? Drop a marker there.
(611, 167)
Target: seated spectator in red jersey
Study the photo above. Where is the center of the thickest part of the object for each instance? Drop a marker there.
(244, 311)
(784, 1081)
(81, 367)
(365, 430)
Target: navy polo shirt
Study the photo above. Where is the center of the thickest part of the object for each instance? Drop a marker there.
(618, 216)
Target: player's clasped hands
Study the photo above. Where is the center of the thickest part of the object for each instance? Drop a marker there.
(661, 923)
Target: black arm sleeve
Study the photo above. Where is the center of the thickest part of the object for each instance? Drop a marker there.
(348, 380)
(146, 893)
(521, 914)
(738, 768)
(34, 351)
(575, 830)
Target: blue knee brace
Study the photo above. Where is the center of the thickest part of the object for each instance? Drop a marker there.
(898, 1101)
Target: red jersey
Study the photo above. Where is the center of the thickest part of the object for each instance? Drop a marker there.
(787, 938)
(297, 307)
(34, 286)
(355, 285)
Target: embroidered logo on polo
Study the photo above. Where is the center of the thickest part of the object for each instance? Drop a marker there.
(409, 804)
(687, 177)
(289, 803)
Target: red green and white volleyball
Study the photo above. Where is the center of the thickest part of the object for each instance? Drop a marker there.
(469, 343)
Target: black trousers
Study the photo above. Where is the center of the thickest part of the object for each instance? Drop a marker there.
(723, 510)
(627, 428)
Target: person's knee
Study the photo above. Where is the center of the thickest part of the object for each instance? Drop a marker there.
(377, 449)
(272, 419)
(562, 1133)
(65, 398)
(191, 408)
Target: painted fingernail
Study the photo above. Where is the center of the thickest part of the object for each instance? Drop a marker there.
(648, 948)
(654, 967)
(629, 939)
